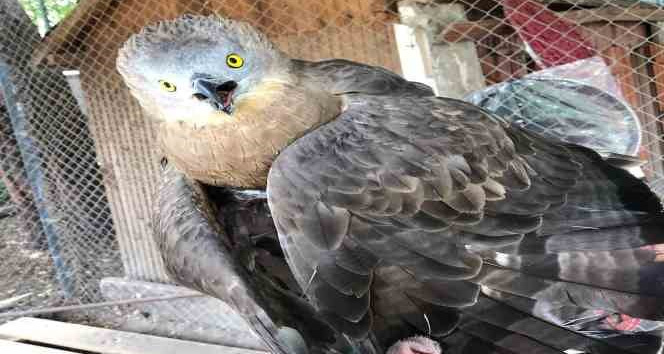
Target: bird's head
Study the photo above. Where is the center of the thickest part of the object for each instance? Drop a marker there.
(229, 101)
(197, 68)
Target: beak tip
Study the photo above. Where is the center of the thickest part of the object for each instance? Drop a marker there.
(220, 95)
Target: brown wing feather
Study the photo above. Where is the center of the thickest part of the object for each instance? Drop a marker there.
(412, 189)
(398, 185)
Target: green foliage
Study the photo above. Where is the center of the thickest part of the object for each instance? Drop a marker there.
(56, 10)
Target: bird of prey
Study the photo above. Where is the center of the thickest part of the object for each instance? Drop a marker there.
(397, 213)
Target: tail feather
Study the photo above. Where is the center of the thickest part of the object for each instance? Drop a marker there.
(505, 338)
(635, 271)
(598, 250)
(514, 319)
(518, 315)
(592, 323)
(604, 186)
(569, 293)
(593, 238)
(465, 343)
(572, 218)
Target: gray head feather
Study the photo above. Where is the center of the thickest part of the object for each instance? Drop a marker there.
(179, 50)
(188, 27)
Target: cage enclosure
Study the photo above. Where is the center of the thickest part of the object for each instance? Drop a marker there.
(79, 164)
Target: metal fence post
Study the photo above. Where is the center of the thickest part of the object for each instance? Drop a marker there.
(35, 173)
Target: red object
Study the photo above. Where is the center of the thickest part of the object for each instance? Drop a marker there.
(554, 40)
(625, 323)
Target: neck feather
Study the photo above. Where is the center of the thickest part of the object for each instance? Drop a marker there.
(238, 150)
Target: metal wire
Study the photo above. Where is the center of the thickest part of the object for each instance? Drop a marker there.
(79, 163)
(97, 305)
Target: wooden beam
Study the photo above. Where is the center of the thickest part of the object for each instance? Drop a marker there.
(591, 3)
(600, 3)
(645, 63)
(472, 30)
(454, 67)
(7, 346)
(101, 340)
(475, 30)
(613, 14)
(657, 52)
(70, 27)
(656, 46)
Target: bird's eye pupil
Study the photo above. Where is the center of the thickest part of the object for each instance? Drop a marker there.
(234, 61)
(167, 86)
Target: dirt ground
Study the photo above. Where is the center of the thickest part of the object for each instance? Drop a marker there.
(28, 282)
(23, 272)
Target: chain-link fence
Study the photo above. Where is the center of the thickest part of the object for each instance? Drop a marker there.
(79, 165)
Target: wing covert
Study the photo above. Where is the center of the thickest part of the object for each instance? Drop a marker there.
(400, 195)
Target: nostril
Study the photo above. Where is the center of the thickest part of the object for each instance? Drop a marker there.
(200, 96)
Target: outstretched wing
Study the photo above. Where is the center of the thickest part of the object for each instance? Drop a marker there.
(394, 213)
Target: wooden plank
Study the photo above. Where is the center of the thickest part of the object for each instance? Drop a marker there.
(513, 63)
(10, 347)
(102, 340)
(221, 325)
(657, 51)
(503, 67)
(486, 61)
(621, 68)
(657, 54)
(613, 14)
(600, 35)
(651, 145)
(455, 67)
(472, 30)
(518, 56)
(629, 35)
(625, 3)
(192, 6)
(46, 50)
(476, 30)
(489, 59)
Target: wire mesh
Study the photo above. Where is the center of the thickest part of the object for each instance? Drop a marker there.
(78, 160)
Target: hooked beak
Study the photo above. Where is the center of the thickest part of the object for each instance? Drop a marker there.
(219, 95)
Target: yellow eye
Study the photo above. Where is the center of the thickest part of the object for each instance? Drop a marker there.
(167, 86)
(234, 61)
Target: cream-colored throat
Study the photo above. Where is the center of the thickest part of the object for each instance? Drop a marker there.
(238, 149)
